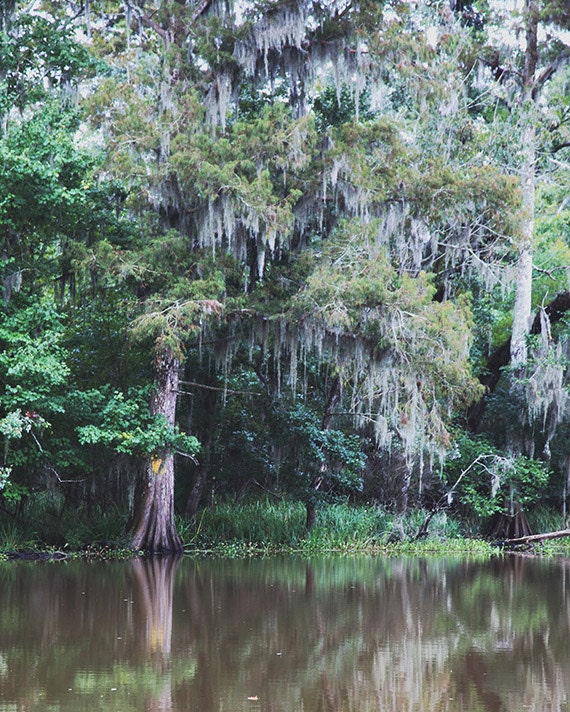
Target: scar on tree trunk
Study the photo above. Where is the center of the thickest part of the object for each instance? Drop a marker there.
(152, 525)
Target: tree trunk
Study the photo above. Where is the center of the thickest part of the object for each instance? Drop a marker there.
(206, 436)
(195, 496)
(523, 293)
(152, 527)
(311, 509)
(311, 504)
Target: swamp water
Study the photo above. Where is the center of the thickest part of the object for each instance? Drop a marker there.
(285, 634)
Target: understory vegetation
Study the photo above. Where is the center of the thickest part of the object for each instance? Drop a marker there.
(263, 527)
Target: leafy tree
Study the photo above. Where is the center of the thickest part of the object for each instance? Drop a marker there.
(297, 188)
(264, 181)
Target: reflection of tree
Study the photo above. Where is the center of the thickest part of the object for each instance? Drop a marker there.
(350, 634)
(472, 685)
(154, 581)
(359, 635)
(82, 636)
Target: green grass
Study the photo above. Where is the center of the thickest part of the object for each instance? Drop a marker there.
(260, 523)
(14, 538)
(235, 530)
(44, 526)
(546, 519)
(268, 527)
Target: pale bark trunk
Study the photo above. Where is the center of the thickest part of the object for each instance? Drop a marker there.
(153, 528)
(523, 294)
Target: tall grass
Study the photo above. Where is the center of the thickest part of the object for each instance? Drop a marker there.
(546, 519)
(44, 527)
(261, 526)
(269, 525)
(262, 523)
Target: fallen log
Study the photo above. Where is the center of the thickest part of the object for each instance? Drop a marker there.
(538, 537)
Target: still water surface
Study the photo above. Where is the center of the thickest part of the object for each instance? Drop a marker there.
(285, 634)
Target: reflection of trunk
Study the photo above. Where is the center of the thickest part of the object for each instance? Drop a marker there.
(311, 503)
(154, 578)
(152, 527)
(309, 580)
(471, 674)
(154, 582)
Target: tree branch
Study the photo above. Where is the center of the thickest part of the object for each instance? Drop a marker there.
(501, 356)
(218, 388)
(200, 9)
(559, 61)
(538, 537)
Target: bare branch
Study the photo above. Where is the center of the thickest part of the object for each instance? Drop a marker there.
(562, 59)
(201, 9)
(59, 479)
(187, 455)
(221, 389)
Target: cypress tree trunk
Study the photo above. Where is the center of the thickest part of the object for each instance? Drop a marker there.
(152, 525)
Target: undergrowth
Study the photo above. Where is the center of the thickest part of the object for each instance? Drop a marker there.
(231, 529)
(269, 527)
(43, 526)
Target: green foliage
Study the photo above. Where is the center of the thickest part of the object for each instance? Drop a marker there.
(484, 481)
(124, 424)
(171, 202)
(47, 524)
(329, 451)
(34, 52)
(354, 290)
(334, 108)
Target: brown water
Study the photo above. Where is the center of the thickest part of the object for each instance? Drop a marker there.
(285, 634)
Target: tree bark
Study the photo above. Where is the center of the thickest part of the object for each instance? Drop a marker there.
(523, 293)
(206, 436)
(152, 526)
(311, 504)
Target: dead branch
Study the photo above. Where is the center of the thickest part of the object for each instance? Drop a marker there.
(221, 389)
(538, 537)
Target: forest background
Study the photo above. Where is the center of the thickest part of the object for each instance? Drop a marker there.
(297, 251)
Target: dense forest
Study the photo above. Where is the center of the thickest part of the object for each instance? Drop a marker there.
(310, 250)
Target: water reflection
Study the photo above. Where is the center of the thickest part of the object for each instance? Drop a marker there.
(350, 634)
